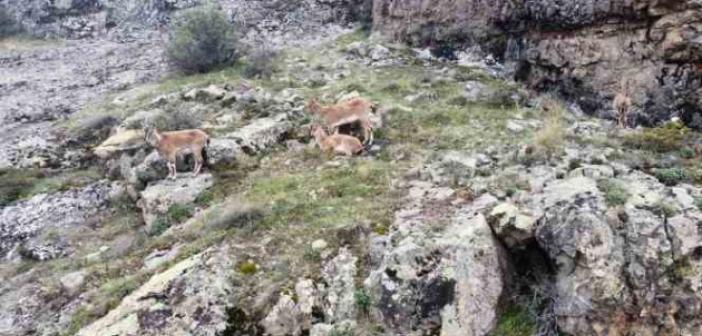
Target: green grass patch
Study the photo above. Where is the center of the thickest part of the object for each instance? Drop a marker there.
(326, 198)
(671, 176)
(515, 321)
(175, 214)
(19, 184)
(670, 137)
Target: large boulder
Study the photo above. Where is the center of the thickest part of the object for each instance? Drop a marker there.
(446, 281)
(124, 140)
(262, 133)
(158, 197)
(189, 298)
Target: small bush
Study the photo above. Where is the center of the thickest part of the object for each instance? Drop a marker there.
(664, 209)
(550, 138)
(175, 214)
(248, 268)
(363, 301)
(261, 63)
(174, 118)
(8, 24)
(687, 153)
(615, 193)
(671, 176)
(698, 202)
(667, 138)
(515, 321)
(234, 214)
(202, 40)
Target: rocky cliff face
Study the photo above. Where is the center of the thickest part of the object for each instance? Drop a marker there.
(587, 50)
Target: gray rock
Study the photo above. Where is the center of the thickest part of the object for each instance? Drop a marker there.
(449, 279)
(173, 302)
(27, 219)
(158, 197)
(339, 274)
(73, 281)
(262, 133)
(512, 226)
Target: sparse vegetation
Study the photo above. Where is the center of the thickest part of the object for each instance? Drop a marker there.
(671, 176)
(233, 213)
(261, 63)
(173, 118)
(21, 184)
(669, 137)
(549, 140)
(614, 192)
(202, 40)
(515, 321)
(176, 213)
(363, 301)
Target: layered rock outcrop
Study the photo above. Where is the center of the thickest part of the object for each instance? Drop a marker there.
(588, 50)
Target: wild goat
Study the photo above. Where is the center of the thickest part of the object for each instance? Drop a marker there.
(170, 144)
(337, 143)
(347, 112)
(622, 104)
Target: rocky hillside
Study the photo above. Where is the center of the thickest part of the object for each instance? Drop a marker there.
(586, 50)
(485, 206)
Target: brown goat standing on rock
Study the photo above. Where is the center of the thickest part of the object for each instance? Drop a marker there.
(346, 112)
(170, 144)
(337, 143)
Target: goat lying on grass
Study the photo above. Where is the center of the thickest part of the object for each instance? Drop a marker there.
(170, 144)
(346, 112)
(337, 143)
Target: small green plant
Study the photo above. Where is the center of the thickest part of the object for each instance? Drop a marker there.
(664, 209)
(698, 202)
(203, 39)
(687, 153)
(175, 214)
(248, 268)
(515, 321)
(311, 255)
(614, 191)
(363, 301)
(671, 176)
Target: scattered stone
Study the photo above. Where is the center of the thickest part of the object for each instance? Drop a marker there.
(73, 281)
(124, 140)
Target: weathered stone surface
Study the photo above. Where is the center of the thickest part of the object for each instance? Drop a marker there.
(189, 298)
(586, 49)
(157, 198)
(447, 281)
(262, 133)
(26, 219)
(121, 141)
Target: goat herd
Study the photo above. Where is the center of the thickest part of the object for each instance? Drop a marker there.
(354, 110)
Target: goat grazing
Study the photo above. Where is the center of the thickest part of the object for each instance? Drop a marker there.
(170, 144)
(337, 143)
(346, 112)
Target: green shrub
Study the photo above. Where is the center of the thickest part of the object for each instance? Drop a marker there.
(174, 118)
(664, 209)
(666, 138)
(615, 193)
(687, 153)
(671, 176)
(698, 202)
(363, 301)
(202, 39)
(515, 321)
(234, 214)
(175, 214)
(248, 268)
(8, 24)
(261, 63)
